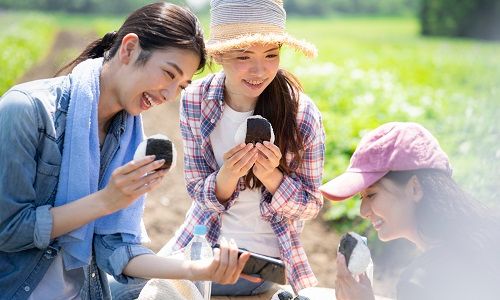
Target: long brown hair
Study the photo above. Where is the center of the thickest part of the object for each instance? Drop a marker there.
(158, 26)
(279, 103)
(446, 214)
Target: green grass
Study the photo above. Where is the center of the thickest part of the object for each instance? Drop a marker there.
(24, 40)
(100, 24)
(369, 71)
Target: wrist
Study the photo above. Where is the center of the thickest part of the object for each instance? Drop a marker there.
(224, 186)
(105, 202)
(189, 268)
(273, 181)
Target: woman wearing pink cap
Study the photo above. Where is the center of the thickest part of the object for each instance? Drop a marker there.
(404, 179)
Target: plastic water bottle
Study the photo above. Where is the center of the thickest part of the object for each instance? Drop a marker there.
(200, 249)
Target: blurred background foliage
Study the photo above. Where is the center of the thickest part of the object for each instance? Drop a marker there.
(377, 63)
(469, 18)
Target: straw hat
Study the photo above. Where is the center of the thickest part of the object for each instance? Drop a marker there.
(236, 24)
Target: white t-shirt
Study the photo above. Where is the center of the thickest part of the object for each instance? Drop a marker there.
(242, 221)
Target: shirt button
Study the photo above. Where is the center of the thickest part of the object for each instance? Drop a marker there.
(27, 288)
(49, 251)
(93, 275)
(212, 121)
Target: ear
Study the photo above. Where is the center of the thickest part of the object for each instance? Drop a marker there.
(414, 189)
(129, 48)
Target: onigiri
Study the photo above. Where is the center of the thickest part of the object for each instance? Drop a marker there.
(255, 129)
(356, 252)
(160, 146)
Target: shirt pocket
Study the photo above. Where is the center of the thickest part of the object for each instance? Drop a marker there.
(47, 176)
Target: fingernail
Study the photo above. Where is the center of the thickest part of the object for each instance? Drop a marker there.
(151, 157)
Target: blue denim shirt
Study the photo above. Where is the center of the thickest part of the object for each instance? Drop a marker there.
(32, 123)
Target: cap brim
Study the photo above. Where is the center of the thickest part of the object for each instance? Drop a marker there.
(349, 184)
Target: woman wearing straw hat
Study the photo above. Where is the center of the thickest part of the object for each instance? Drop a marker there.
(404, 179)
(257, 195)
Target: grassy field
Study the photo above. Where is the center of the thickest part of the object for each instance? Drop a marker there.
(23, 40)
(369, 71)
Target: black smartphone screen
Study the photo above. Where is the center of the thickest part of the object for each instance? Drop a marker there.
(268, 268)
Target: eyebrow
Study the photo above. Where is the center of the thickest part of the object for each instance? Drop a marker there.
(176, 67)
(248, 51)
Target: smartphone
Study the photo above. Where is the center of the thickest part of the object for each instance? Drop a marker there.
(268, 268)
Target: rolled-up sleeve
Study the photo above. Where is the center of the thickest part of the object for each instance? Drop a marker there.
(113, 254)
(22, 224)
(43, 226)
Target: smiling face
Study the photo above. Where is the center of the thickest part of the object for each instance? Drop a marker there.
(391, 209)
(159, 80)
(250, 71)
(135, 87)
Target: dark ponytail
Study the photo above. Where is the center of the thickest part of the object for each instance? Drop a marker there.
(94, 50)
(159, 26)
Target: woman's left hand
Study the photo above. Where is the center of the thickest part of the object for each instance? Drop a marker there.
(348, 288)
(267, 161)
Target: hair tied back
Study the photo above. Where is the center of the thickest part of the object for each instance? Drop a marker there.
(107, 40)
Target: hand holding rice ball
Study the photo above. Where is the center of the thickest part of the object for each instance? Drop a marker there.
(160, 146)
(356, 252)
(255, 129)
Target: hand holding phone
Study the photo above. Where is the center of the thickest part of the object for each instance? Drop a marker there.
(268, 268)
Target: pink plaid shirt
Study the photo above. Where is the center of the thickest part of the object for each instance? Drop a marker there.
(297, 198)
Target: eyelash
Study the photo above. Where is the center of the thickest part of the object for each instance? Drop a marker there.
(369, 196)
(247, 57)
(170, 74)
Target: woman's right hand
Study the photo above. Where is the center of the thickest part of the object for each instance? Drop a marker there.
(239, 160)
(237, 163)
(129, 182)
(347, 287)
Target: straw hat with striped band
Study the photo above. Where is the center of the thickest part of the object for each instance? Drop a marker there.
(237, 24)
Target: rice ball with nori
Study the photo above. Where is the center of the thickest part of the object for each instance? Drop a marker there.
(356, 252)
(255, 129)
(161, 146)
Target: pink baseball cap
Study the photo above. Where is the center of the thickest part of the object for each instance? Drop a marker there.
(395, 146)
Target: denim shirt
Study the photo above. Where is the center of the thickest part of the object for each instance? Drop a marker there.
(32, 123)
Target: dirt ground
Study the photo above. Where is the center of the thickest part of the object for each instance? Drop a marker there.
(167, 205)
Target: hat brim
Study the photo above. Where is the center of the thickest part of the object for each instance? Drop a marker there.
(215, 47)
(349, 184)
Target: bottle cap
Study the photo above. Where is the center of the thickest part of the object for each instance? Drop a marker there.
(200, 229)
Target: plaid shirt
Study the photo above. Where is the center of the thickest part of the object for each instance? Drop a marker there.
(297, 198)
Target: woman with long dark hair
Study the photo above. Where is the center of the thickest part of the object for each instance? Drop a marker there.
(407, 191)
(71, 195)
(257, 195)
